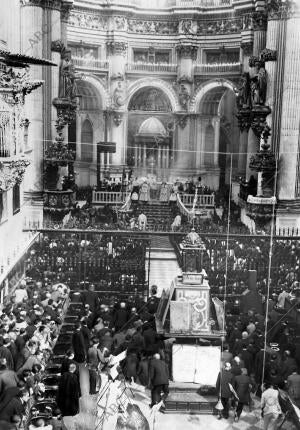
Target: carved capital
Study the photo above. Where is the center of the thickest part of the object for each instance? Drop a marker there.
(66, 6)
(247, 48)
(117, 118)
(116, 48)
(268, 55)
(280, 9)
(181, 120)
(58, 46)
(17, 85)
(49, 4)
(253, 61)
(12, 172)
(259, 20)
(187, 51)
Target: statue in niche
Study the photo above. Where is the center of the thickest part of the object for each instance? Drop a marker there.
(67, 84)
(259, 85)
(118, 95)
(244, 92)
(184, 97)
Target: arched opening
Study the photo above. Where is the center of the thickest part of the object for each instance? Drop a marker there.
(219, 133)
(149, 143)
(87, 141)
(88, 128)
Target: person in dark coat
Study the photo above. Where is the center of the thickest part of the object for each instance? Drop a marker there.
(13, 402)
(143, 370)
(149, 335)
(159, 379)
(131, 364)
(69, 392)
(225, 378)
(242, 386)
(5, 353)
(247, 357)
(90, 298)
(153, 301)
(120, 317)
(67, 360)
(86, 335)
(78, 345)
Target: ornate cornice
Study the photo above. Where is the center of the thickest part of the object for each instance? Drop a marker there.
(259, 20)
(187, 51)
(12, 172)
(116, 48)
(244, 117)
(49, 4)
(258, 122)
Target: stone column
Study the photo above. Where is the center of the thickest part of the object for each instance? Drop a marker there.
(252, 148)
(216, 125)
(117, 53)
(242, 161)
(33, 44)
(259, 32)
(289, 133)
(201, 123)
(182, 130)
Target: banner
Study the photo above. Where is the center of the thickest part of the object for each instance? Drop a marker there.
(219, 307)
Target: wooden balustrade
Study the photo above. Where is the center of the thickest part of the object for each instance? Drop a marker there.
(108, 197)
(149, 67)
(202, 200)
(207, 69)
(89, 63)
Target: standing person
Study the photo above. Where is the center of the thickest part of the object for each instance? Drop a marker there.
(69, 392)
(159, 379)
(93, 360)
(293, 385)
(242, 387)
(225, 378)
(78, 345)
(270, 407)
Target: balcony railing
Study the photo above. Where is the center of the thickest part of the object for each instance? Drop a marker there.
(162, 4)
(207, 69)
(149, 67)
(202, 200)
(108, 197)
(89, 63)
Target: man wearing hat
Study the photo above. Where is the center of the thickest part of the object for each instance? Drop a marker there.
(225, 378)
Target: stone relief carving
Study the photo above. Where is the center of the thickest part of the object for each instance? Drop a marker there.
(67, 84)
(87, 20)
(244, 92)
(151, 99)
(114, 47)
(184, 97)
(119, 95)
(259, 85)
(120, 23)
(268, 55)
(160, 27)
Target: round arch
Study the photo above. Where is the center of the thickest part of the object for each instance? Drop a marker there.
(98, 86)
(166, 88)
(205, 88)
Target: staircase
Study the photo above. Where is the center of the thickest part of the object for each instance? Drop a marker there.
(158, 214)
(163, 263)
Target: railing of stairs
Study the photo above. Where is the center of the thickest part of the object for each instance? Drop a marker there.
(190, 214)
(126, 206)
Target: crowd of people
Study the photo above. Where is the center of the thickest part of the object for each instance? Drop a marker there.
(29, 325)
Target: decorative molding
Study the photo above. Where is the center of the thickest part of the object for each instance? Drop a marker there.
(259, 20)
(49, 4)
(244, 119)
(258, 121)
(253, 61)
(84, 19)
(117, 77)
(116, 48)
(66, 7)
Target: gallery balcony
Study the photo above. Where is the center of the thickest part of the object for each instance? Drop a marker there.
(217, 68)
(90, 64)
(151, 67)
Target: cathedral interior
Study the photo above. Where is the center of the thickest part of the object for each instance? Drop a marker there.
(148, 143)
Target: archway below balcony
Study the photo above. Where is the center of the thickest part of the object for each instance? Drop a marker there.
(149, 140)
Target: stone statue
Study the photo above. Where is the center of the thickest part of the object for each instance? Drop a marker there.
(184, 97)
(118, 95)
(244, 92)
(259, 85)
(67, 84)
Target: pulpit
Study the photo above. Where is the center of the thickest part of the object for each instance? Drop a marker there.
(184, 315)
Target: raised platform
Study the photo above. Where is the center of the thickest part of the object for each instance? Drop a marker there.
(187, 398)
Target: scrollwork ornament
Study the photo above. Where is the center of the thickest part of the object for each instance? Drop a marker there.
(268, 55)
